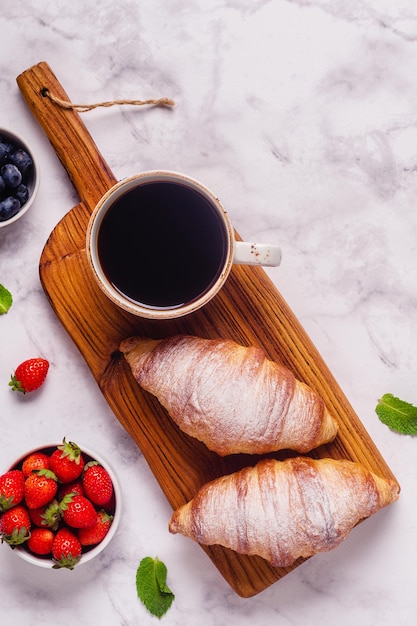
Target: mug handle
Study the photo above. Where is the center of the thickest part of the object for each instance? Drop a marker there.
(247, 253)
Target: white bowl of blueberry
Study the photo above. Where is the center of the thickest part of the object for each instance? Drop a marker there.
(19, 177)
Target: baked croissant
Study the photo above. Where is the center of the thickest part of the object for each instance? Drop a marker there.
(230, 397)
(283, 510)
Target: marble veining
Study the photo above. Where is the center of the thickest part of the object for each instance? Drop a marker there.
(301, 116)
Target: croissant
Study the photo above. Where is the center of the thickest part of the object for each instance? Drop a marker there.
(283, 510)
(230, 397)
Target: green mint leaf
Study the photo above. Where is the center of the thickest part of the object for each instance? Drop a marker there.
(397, 414)
(151, 586)
(6, 300)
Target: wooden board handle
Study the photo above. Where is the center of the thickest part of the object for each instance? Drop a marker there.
(88, 171)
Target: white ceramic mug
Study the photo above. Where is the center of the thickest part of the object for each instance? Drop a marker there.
(161, 245)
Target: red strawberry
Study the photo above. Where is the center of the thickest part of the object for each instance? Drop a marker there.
(78, 512)
(97, 483)
(47, 516)
(66, 549)
(93, 535)
(40, 541)
(67, 462)
(110, 506)
(36, 516)
(76, 488)
(35, 461)
(11, 489)
(29, 375)
(40, 488)
(15, 525)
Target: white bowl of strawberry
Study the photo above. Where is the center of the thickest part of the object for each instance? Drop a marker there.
(59, 505)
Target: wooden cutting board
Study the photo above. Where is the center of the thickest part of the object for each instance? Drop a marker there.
(249, 310)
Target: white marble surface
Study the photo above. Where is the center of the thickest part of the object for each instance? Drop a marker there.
(302, 116)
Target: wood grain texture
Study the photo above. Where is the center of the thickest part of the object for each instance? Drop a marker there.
(249, 310)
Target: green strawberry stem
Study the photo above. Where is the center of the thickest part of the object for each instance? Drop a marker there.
(17, 537)
(68, 562)
(71, 450)
(16, 385)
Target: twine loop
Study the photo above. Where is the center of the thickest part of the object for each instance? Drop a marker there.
(82, 108)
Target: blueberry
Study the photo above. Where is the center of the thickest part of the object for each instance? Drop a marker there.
(21, 159)
(11, 174)
(22, 194)
(5, 149)
(8, 208)
(2, 184)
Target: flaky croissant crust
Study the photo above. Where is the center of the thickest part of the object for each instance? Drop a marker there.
(229, 396)
(283, 510)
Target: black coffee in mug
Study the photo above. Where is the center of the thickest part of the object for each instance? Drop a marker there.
(162, 244)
